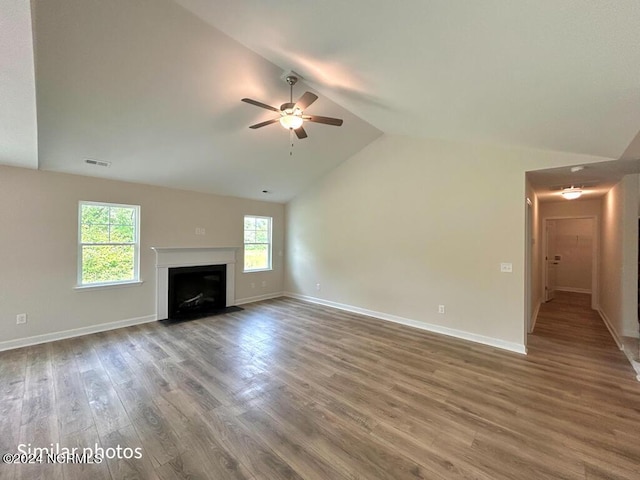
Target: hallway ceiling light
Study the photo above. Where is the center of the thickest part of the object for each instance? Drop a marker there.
(571, 193)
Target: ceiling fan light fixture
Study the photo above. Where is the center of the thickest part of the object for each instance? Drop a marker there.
(571, 193)
(291, 121)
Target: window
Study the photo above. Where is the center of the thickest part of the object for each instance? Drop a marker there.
(257, 243)
(109, 243)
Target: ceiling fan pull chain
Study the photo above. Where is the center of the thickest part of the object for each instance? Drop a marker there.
(291, 140)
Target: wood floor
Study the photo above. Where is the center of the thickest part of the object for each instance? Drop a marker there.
(289, 390)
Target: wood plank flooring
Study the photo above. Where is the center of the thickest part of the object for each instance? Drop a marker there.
(290, 390)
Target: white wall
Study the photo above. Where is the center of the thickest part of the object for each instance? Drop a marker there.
(38, 247)
(619, 257)
(408, 224)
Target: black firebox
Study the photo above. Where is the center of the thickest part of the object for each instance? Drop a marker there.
(196, 292)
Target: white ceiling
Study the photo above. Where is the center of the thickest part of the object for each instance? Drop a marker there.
(545, 74)
(155, 88)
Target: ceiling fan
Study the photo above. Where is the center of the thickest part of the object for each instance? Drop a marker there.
(291, 114)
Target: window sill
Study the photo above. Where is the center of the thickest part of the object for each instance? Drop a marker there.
(107, 286)
(259, 270)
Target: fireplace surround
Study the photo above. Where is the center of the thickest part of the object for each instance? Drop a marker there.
(177, 257)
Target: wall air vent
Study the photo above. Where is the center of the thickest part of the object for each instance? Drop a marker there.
(98, 163)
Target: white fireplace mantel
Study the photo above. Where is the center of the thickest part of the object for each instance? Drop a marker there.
(172, 257)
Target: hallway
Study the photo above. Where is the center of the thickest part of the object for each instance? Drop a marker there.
(570, 330)
(592, 378)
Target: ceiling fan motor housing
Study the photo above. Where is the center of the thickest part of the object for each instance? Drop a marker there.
(291, 80)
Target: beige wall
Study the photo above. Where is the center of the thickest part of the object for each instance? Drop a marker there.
(619, 256)
(38, 247)
(408, 224)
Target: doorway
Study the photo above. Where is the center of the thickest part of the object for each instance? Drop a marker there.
(570, 256)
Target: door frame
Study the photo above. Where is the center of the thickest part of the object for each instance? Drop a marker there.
(547, 295)
(528, 265)
(595, 254)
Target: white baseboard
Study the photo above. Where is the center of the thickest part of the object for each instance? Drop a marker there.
(494, 342)
(534, 316)
(573, 290)
(103, 327)
(630, 348)
(76, 332)
(258, 298)
(609, 326)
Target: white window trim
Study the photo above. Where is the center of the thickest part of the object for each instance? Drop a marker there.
(136, 250)
(270, 267)
(107, 286)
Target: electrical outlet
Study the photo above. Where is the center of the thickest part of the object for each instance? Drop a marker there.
(440, 308)
(21, 318)
(201, 231)
(317, 286)
(253, 285)
(264, 283)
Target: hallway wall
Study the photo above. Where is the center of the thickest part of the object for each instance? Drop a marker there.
(619, 257)
(571, 208)
(535, 275)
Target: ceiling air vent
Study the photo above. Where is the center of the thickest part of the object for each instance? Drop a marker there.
(98, 163)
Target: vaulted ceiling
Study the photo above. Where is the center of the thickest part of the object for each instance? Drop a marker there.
(154, 86)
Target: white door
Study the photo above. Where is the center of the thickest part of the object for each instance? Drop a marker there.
(551, 262)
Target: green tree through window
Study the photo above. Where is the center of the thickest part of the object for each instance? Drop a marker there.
(109, 243)
(257, 243)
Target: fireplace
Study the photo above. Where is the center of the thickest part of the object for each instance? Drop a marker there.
(176, 258)
(196, 292)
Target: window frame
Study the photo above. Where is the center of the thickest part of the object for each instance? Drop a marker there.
(136, 247)
(269, 243)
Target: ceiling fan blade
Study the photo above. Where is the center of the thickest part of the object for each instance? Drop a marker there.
(264, 124)
(300, 133)
(305, 100)
(260, 104)
(326, 120)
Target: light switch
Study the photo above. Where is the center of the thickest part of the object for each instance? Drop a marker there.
(506, 267)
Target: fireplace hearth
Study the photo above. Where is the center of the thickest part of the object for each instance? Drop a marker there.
(196, 292)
